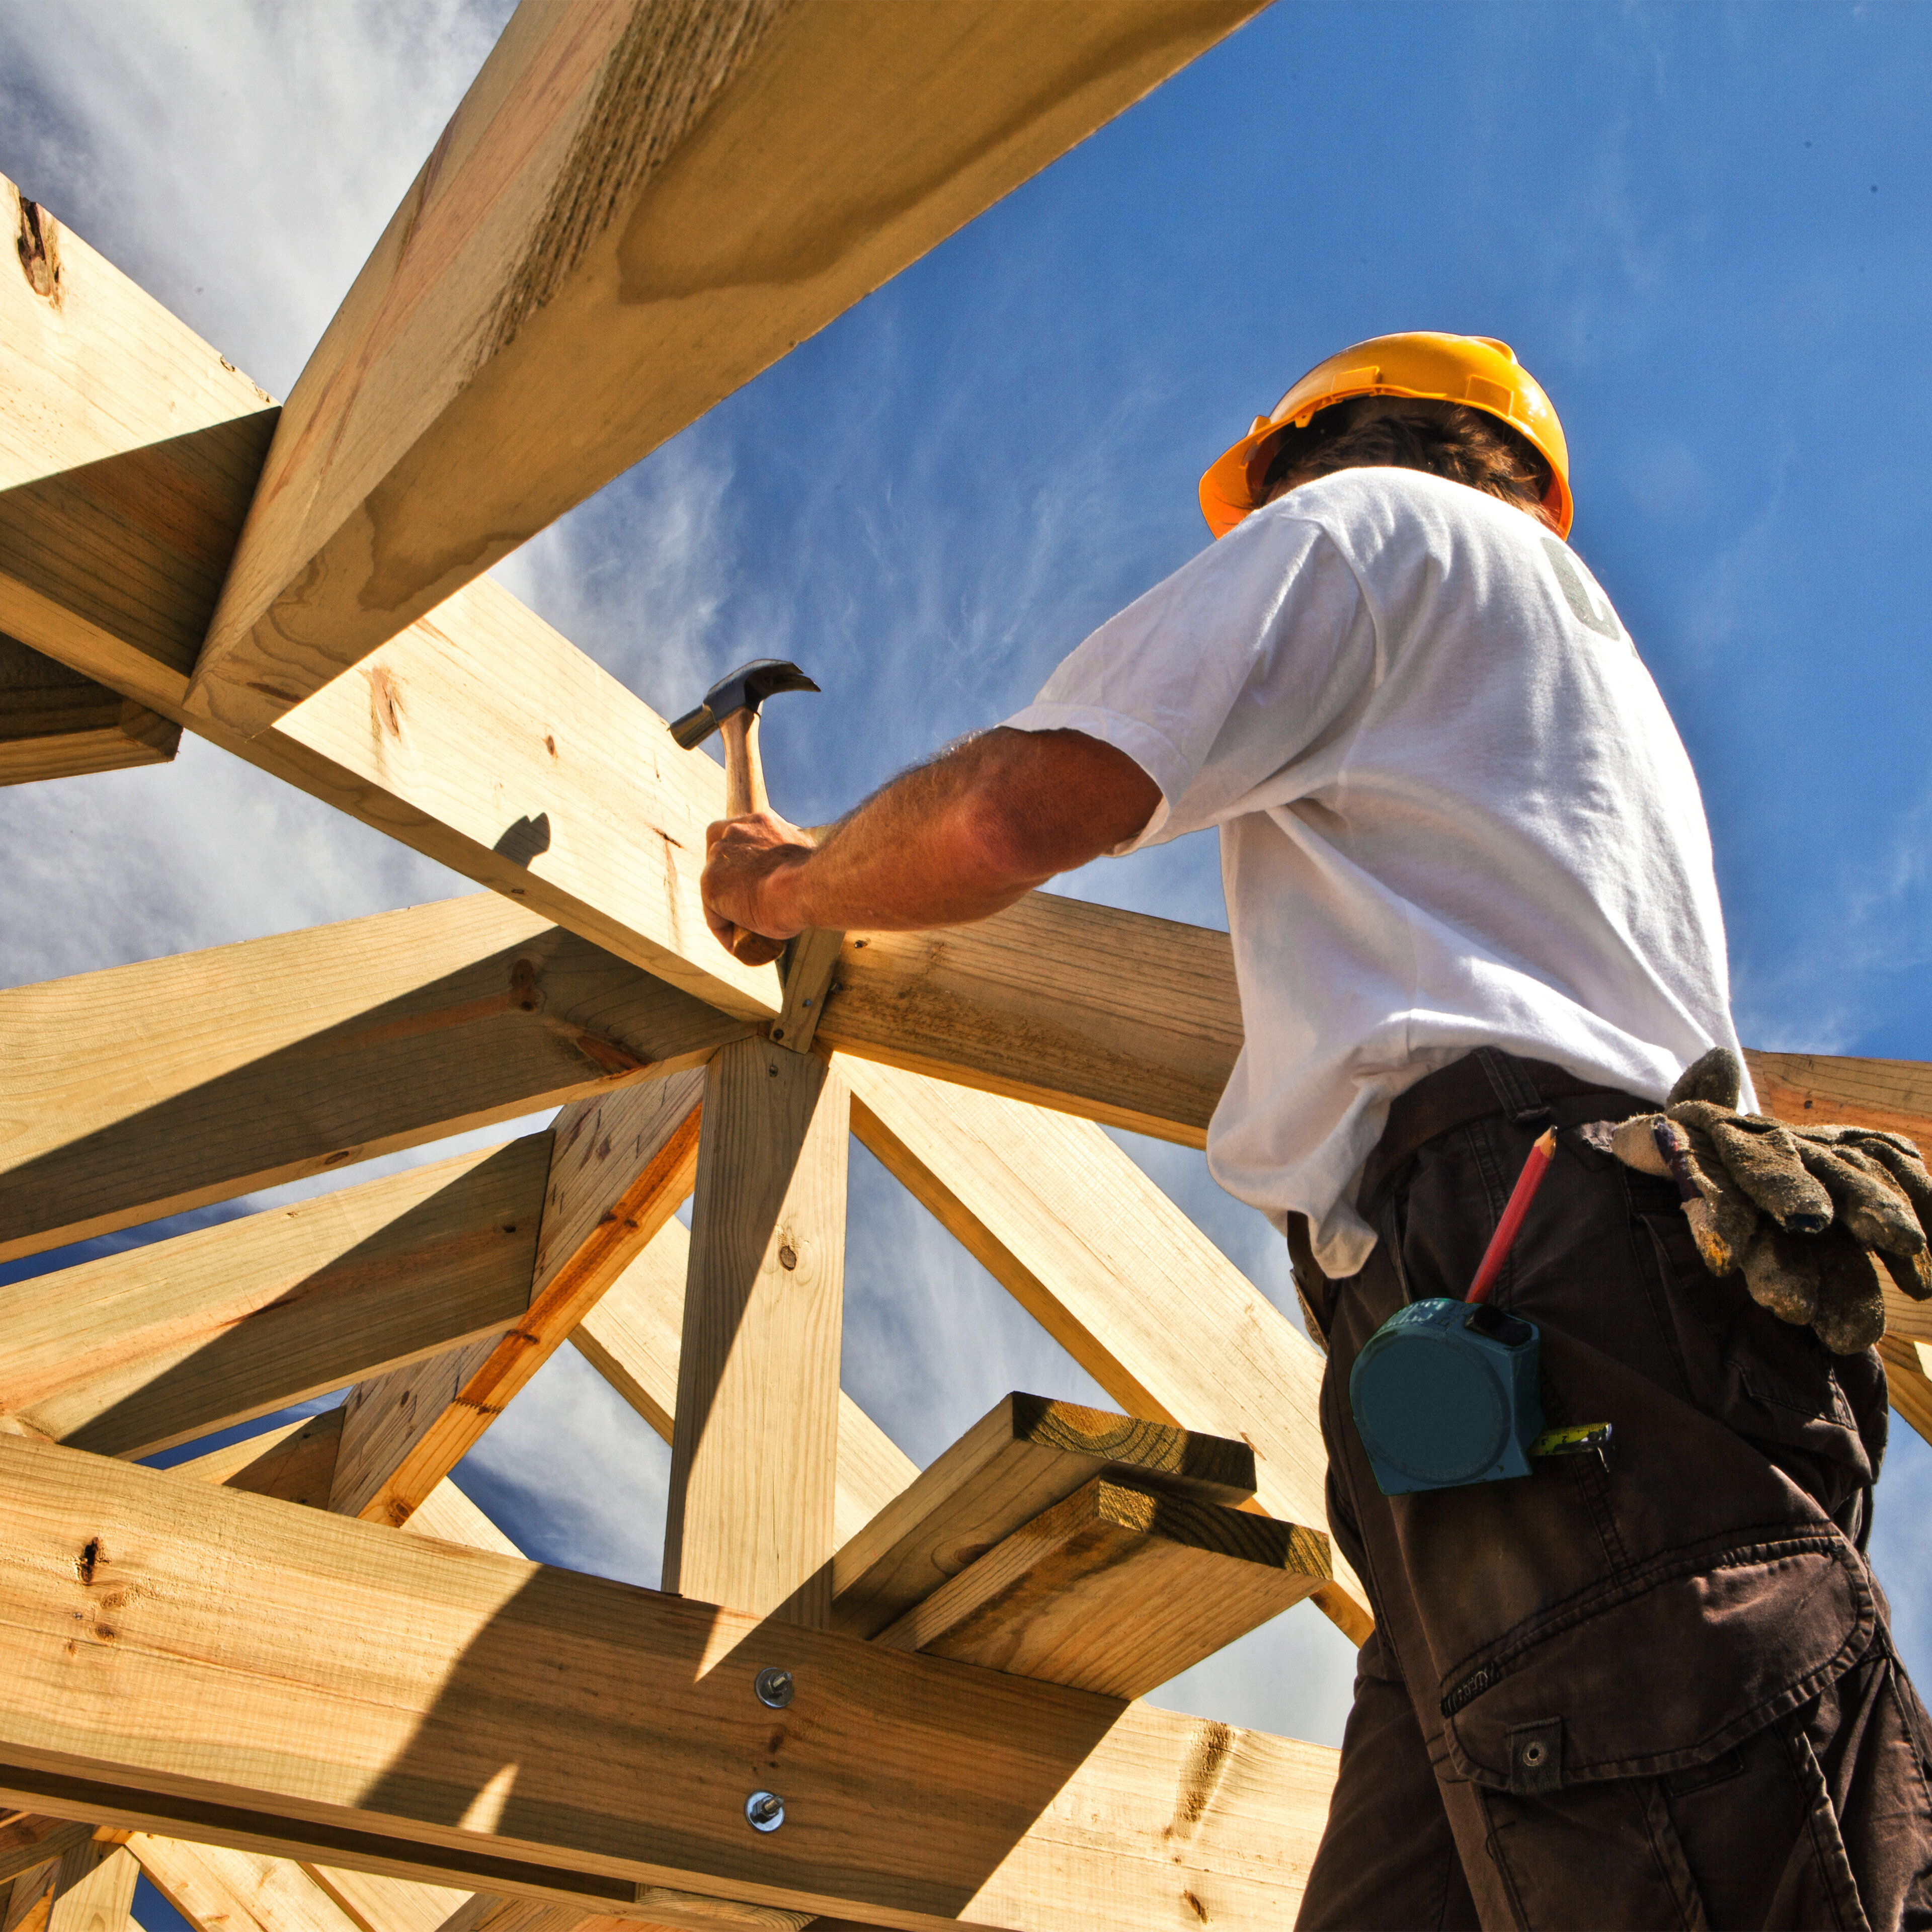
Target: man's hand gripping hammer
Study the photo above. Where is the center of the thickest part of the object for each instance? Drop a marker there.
(731, 709)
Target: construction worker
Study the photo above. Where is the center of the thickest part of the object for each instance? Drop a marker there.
(1470, 889)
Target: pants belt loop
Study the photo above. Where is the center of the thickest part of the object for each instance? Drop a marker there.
(1516, 1093)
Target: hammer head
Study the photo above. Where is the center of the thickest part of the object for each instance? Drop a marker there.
(744, 689)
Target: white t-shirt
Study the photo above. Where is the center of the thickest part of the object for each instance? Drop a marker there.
(1454, 812)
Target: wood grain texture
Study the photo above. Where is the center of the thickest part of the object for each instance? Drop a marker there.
(31, 1899)
(294, 1461)
(373, 1722)
(1117, 1588)
(56, 723)
(447, 1514)
(621, 1164)
(1814, 1089)
(160, 1344)
(29, 1840)
(632, 1337)
(754, 1442)
(218, 1888)
(1119, 1276)
(101, 1900)
(1128, 1020)
(146, 1089)
(373, 1903)
(128, 451)
(1026, 1454)
(639, 205)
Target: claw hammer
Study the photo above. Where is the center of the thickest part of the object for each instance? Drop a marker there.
(731, 709)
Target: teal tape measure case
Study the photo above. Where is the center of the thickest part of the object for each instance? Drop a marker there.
(1447, 1393)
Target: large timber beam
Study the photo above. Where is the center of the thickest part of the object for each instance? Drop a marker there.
(144, 1090)
(638, 205)
(1119, 1275)
(56, 723)
(411, 1708)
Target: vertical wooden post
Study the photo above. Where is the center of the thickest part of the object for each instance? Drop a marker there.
(754, 1446)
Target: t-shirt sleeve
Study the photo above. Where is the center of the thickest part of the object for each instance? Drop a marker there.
(1218, 680)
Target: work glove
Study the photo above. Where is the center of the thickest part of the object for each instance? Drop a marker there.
(1816, 1218)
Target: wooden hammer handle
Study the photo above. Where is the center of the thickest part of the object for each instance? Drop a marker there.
(744, 778)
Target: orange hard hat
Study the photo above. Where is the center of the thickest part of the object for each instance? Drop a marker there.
(1476, 370)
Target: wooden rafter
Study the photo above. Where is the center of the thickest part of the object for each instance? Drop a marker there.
(621, 1164)
(755, 1434)
(280, 1058)
(587, 262)
(158, 1345)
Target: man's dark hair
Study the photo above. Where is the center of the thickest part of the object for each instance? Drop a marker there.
(1447, 439)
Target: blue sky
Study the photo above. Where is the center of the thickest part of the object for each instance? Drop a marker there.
(1703, 226)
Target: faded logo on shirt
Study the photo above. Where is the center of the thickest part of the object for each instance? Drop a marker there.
(1588, 604)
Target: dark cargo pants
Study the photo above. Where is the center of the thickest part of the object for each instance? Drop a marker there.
(1657, 1691)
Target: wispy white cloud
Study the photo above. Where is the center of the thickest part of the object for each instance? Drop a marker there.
(237, 157)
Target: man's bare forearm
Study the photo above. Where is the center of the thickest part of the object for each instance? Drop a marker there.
(945, 843)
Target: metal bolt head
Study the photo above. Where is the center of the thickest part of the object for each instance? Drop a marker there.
(774, 1687)
(764, 1810)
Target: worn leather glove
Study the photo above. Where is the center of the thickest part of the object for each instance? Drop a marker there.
(1816, 1217)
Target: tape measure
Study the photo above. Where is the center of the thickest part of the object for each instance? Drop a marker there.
(1447, 1393)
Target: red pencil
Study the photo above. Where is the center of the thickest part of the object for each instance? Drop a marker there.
(1521, 1196)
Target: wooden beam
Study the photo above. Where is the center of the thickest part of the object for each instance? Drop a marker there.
(374, 1903)
(1127, 1020)
(55, 723)
(622, 1164)
(1117, 1588)
(218, 1888)
(637, 207)
(1894, 1095)
(146, 1089)
(632, 1338)
(754, 1445)
(419, 1710)
(29, 1840)
(129, 450)
(295, 1462)
(1119, 1275)
(160, 1344)
(100, 1902)
(1027, 1453)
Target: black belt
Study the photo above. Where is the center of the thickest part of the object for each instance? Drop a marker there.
(1483, 1083)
